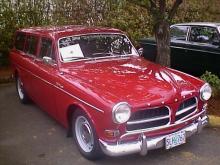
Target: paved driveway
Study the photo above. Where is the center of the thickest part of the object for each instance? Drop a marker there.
(29, 136)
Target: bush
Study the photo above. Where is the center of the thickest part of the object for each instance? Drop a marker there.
(213, 80)
(132, 19)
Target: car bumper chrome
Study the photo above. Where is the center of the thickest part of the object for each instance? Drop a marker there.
(144, 144)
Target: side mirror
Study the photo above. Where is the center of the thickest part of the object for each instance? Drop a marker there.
(47, 60)
(141, 52)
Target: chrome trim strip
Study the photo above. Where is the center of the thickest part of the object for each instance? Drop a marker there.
(147, 120)
(188, 33)
(160, 127)
(81, 100)
(198, 50)
(186, 109)
(75, 97)
(109, 58)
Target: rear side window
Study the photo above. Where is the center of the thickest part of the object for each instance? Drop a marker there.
(46, 48)
(207, 35)
(31, 45)
(19, 41)
(179, 32)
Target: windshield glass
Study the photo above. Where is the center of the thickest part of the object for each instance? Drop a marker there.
(95, 46)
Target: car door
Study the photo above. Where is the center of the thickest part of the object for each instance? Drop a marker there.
(45, 72)
(179, 47)
(20, 60)
(212, 57)
(203, 52)
(24, 52)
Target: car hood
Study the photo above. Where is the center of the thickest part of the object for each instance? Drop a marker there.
(131, 79)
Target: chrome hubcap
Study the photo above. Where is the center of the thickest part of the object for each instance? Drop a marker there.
(84, 134)
(20, 89)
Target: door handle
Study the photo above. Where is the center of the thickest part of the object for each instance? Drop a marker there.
(59, 85)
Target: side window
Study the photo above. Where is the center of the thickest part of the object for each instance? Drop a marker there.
(204, 35)
(179, 32)
(19, 41)
(31, 45)
(46, 48)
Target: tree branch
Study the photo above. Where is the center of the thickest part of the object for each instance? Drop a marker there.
(174, 9)
(152, 4)
(162, 6)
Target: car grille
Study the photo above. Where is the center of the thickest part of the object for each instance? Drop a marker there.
(187, 108)
(149, 118)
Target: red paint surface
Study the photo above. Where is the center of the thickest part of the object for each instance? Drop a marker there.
(100, 83)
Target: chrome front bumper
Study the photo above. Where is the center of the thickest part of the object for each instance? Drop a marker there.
(144, 144)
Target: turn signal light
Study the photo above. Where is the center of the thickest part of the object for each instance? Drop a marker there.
(112, 133)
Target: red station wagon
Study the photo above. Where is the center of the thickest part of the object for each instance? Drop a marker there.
(111, 100)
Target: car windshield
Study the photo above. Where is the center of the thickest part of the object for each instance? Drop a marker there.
(95, 46)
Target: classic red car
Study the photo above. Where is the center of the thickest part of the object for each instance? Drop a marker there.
(93, 81)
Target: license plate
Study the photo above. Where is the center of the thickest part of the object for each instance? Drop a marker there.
(175, 139)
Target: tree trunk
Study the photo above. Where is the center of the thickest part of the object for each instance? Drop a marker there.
(162, 35)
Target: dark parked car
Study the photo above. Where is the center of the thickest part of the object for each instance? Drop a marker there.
(195, 48)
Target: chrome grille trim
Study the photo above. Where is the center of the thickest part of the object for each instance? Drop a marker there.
(184, 110)
(149, 130)
(184, 118)
(147, 120)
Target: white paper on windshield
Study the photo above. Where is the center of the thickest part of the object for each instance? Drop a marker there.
(72, 51)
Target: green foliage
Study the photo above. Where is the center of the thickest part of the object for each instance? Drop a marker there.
(198, 11)
(135, 20)
(213, 80)
(125, 17)
(15, 15)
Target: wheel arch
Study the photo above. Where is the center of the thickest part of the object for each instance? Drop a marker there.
(69, 114)
(72, 108)
(15, 73)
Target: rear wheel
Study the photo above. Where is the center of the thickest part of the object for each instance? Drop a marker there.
(85, 136)
(23, 97)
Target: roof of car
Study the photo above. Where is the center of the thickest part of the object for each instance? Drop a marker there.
(61, 31)
(212, 24)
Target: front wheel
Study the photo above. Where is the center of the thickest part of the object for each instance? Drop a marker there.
(85, 136)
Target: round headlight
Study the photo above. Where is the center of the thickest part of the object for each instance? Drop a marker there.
(205, 92)
(121, 112)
